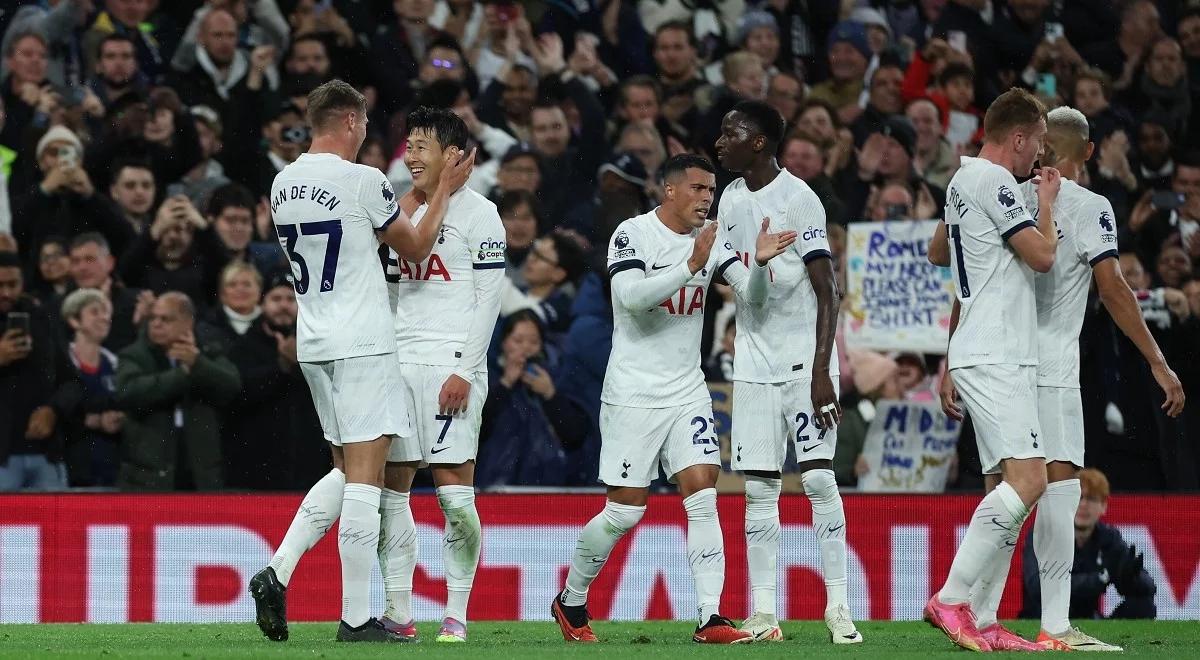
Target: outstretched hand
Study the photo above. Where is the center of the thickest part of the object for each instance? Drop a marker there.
(770, 245)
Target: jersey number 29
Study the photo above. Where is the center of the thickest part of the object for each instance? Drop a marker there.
(330, 228)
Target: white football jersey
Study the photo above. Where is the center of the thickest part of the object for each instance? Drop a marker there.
(776, 342)
(997, 323)
(1087, 235)
(435, 299)
(326, 212)
(655, 359)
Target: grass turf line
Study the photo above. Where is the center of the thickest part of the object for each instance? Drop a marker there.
(535, 640)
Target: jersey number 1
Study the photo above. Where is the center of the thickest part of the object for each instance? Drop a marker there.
(330, 228)
(956, 238)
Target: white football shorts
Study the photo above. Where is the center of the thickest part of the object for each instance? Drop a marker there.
(358, 399)
(438, 438)
(1002, 402)
(769, 416)
(636, 441)
(1060, 411)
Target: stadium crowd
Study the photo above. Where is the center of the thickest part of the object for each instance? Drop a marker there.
(147, 310)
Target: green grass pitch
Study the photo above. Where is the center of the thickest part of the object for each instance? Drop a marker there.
(532, 640)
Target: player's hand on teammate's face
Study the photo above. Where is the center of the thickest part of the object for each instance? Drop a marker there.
(771, 245)
(1048, 183)
(456, 170)
(825, 402)
(538, 380)
(702, 246)
(1171, 387)
(453, 398)
(949, 396)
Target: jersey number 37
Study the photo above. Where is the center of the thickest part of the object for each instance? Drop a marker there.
(332, 230)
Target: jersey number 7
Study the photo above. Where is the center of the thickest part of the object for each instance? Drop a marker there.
(330, 228)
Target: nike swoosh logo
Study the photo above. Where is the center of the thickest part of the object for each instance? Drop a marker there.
(657, 267)
(810, 447)
(711, 451)
(436, 450)
(709, 555)
(730, 227)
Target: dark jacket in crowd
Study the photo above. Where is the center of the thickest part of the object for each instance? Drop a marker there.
(26, 385)
(272, 436)
(197, 276)
(38, 216)
(92, 456)
(172, 434)
(1105, 559)
(586, 347)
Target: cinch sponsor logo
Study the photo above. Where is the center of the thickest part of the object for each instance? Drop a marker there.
(813, 232)
(491, 245)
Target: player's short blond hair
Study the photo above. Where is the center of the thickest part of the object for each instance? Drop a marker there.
(1013, 110)
(331, 101)
(1067, 135)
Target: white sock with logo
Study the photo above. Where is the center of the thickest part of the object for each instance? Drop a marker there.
(595, 543)
(829, 524)
(460, 546)
(397, 554)
(319, 509)
(989, 589)
(1054, 544)
(762, 540)
(706, 551)
(358, 543)
(995, 523)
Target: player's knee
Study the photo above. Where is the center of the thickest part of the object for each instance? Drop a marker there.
(622, 517)
(701, 505)
(762, 497)
(820, 486)
(452, 498)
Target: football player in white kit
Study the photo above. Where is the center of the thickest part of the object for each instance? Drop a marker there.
(330, 214)
(785, 366)
(995, 248)
(655, 408)
(446, 309)
(1087, 248)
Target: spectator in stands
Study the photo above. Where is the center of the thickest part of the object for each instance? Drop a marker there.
(241, 288)
(25, 91)
(518, 212)
(125, 18)
(1102, 559)
(785, 93)
(892, 201)
(645, 142)
(272, 437)
(65, 203)
(1162, 87)
(116, 72)
(92, 265)
(849, 54)
(819, 119)
(1093, 97)
(30, 444)
(208, 174)
(181, 252)
(173, 391)
(569, 163)
(220, 70)
(1121, 56)
(85, 400)
(397, 51)
(554, 263)
(520, 169)
(528, 425)
(257, 25)
(886, 157)
(1173, 267)
(1148, 227)
(133, 190)
(758, 33)
(53, 275)
(308, 55)
(155, 129)
(883, 101)
(934, 158)
(58, 23)
(803, 157)
(620, 195)
(232, 213)
(507, 103)
(718, 368)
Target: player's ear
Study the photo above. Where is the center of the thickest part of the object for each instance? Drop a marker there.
(1091, 146)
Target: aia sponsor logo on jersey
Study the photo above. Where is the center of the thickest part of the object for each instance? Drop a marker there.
(432, 268)
(688, 301)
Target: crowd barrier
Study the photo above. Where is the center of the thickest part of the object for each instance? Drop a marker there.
(117, 558)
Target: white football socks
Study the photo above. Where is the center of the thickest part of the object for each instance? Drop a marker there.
(706, 551)
(995, 523)
(595, 543)
(397, 553)
(829, 524)
(989, 589)
(460, 546)
(358, 542)
(762, 540)
(320, 507)
(1054, 544)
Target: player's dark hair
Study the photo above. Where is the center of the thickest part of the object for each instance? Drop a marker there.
(766, 120)
(230, 194)
(331, 100)
(446, 127)
(680, 163)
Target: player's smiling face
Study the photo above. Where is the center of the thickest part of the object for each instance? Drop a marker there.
(736, 146)
(424, 157)
(690, 194)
